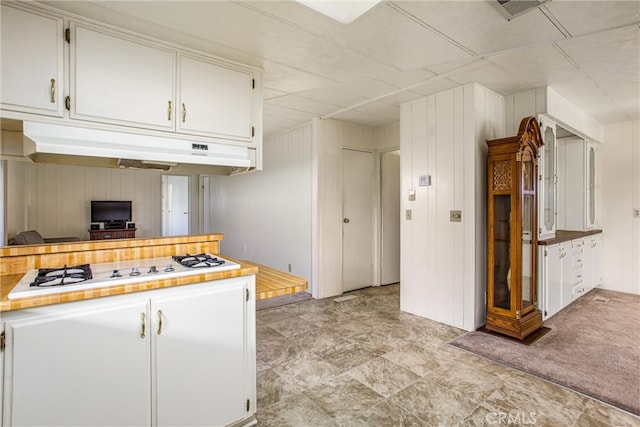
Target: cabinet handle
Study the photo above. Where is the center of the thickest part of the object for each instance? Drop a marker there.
(184, 112)
(169, 112)
(53, 91)
(144, 325)
(159, 322)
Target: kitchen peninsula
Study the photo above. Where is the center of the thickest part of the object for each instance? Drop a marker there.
(167, 351)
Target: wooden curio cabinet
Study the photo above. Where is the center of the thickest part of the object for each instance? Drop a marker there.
(512, 295)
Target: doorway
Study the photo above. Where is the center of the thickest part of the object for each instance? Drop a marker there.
(357, 223)
(390, 217)
(175, 205)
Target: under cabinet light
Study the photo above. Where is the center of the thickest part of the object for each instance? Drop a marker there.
(344, 11)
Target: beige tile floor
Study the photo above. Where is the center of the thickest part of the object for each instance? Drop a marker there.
(363, 362)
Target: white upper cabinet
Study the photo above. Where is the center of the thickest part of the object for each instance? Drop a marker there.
(32, 62)
(214, 99)
(547, 180)
(120, 81)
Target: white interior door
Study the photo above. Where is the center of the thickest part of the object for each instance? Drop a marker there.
(390, 207)
(357, 226)
(175, 205)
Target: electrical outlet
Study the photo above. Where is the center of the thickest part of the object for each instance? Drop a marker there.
(636, 213)
(408, 214)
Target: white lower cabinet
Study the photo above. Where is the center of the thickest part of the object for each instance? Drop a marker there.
(176, 356)
(568, 270)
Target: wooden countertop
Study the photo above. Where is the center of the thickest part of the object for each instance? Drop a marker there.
(8, 282)
(566, 235)
(269, 283)
(15, 261)
(274, 283)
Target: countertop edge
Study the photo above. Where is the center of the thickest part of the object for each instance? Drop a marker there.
(8, 282)
(567, 235)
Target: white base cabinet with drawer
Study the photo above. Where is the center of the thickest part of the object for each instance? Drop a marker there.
(176, 356)
(567, 271)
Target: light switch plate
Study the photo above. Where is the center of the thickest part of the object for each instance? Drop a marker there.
(412, 195)
(408, 214)
(636, 212)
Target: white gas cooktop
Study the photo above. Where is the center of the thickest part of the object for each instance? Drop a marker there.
(118, 273)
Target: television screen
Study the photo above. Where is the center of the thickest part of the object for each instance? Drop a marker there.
(110, 211)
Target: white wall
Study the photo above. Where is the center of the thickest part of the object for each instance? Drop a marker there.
(443, 271)
(619, 158)
(265, 215)
(55, 199)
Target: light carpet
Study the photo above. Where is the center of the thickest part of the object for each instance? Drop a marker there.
(593, 348)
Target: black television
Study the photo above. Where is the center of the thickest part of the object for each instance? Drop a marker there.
(114, 214)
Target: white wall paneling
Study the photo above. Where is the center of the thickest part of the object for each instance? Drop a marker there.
(266, 215)
(547, 100)
(619, 158)
(443, 272)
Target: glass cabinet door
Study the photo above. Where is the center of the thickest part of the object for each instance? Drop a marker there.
(502, 251)
(547, 183)
(528, 195)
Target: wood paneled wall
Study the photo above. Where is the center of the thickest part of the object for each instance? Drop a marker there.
(443, 263)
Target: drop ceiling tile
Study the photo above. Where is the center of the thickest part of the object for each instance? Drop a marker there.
(581, 17)
(481, 28)
(435, 86)
(396, 38)
(611, 58)
(401, 98)
(405, 78)
(289, 113)
(333, 95)
(360, 118)
(274, 124)
(303, 104)
(268, 93)
(545, 65)
(381, 109)
(368, 88)
(287, 79)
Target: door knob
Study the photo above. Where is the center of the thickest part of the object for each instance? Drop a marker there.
(346, 220)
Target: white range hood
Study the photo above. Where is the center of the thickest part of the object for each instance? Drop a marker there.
(128, 148)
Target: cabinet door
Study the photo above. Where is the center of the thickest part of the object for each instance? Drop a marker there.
(214, 100)
(593, 244)
(568, 272)
(32, 62)
(199, 355)
(117, 80)
(552, 280)
(83, 366)
(547, 165)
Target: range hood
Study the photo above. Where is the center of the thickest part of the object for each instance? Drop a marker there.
(42, 140)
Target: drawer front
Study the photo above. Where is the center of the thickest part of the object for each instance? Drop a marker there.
(577, 277)
(577, 261)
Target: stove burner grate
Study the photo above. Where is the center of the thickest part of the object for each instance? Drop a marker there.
(198, 261)
(62, 275)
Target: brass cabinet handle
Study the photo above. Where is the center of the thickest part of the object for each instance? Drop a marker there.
(184, 112)
(53, 91)
(144, 325)
(159, 322)
(169, 112)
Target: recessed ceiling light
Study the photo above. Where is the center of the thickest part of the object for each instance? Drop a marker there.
(344, 11)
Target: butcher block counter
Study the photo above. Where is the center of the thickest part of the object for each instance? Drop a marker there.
(16, 260)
